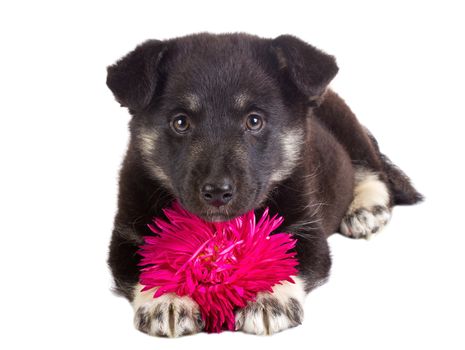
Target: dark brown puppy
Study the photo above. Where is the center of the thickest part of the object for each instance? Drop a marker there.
(230, 123)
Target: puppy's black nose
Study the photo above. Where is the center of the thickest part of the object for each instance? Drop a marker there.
(217, 194)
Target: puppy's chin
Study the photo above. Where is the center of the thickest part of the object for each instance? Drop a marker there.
(210, 214)
(217, 217)
(220, 214)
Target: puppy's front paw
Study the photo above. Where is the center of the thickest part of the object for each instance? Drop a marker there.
(273, 312)
(268, 315)
(167, 316)
(363, 222)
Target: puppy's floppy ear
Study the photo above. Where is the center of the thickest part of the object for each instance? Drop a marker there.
(310, 69)
(133, 78)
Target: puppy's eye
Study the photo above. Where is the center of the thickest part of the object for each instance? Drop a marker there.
(254, 122)
(180, 124)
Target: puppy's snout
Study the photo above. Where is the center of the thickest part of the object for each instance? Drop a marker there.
(217, 194)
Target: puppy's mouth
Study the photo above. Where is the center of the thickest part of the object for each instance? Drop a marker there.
(210, 214)
(217, 217)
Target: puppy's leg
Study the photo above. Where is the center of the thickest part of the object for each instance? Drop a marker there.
(273, 312)
(370, 209)
(166, 316)
(283, 307)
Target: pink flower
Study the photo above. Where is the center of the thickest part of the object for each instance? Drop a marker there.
(220, 265)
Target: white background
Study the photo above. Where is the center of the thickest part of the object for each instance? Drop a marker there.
(62, 139)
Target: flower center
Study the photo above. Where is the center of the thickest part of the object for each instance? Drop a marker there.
(215, 262)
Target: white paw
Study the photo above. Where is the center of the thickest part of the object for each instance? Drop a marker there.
(166, 316)
(363, 222)
(369, 211)
(273, 312)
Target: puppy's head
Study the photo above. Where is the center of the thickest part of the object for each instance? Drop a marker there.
(220, 119)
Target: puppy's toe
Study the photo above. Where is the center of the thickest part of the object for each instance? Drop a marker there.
(169, 316)
(268, 315)
(363, 222)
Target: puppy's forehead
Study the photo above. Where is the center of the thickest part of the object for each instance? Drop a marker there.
(197, 103)
(196, 87)
(200, 75)
(239, 100)
(222, 73)
(215, 63)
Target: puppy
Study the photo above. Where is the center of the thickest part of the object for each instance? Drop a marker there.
(230, 123)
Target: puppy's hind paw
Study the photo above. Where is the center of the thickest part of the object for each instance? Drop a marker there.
(369, 211)
(364, 222)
